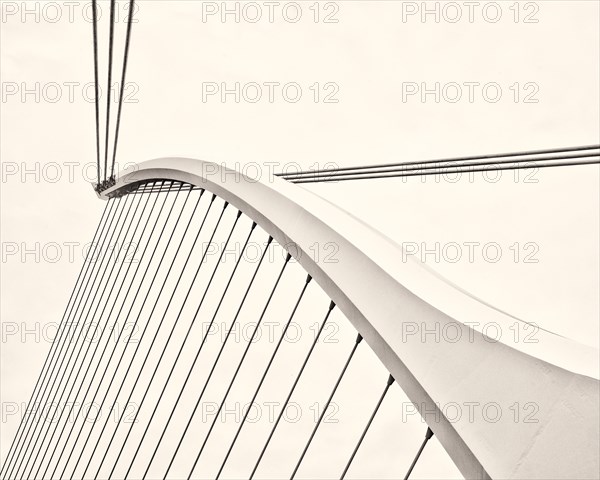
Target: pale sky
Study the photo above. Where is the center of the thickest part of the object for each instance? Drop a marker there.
(546, 226)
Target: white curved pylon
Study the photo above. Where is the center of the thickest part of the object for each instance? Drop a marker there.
(540, 401)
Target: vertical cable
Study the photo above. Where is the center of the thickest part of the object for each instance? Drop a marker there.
(96, 98)
(100, 383)
(57, 338)
(106, 449)
(73, 327)
(183, 343)
(151, 235)
(106, 393)
(125, 58)
(287, 400)
(65, 333)
(287, 260)
(95, 329)
(218, 356)
(175, 323)
(147, 269)
(428, 435)
(119, 289)
(70, 366)
(312, 435)
(237, 263)
(184, 236)
(385, 390)
(264, 375)
(110, 62)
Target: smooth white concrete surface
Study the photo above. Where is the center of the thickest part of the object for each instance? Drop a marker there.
(541, 400)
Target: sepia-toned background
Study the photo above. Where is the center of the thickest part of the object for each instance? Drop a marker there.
(275, 86)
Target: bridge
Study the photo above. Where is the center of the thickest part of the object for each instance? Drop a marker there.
(224, 326)
(174, 211)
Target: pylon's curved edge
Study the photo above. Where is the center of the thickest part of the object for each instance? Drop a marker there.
(501, 409)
